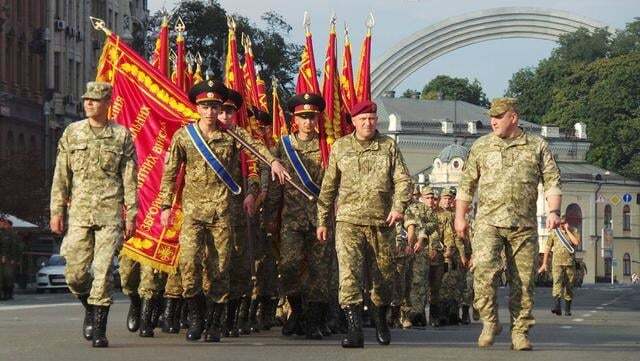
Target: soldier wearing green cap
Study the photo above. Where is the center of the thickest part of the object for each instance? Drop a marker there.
(505, 168)
(94, 185)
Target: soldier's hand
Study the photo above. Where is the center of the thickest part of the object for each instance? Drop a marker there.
(418, 247)
(57, 224)
(394, 217)
(433, 254)
(464, 261)
(129, 229)
(543, 268)
(322, 234)
(249, 204)
(553, 221)
(279, 171)
(461, 225)
(408, 250)
(165, 217)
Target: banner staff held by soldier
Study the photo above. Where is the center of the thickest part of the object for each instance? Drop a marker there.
(94, 184)
(368, 177)
(504, 168)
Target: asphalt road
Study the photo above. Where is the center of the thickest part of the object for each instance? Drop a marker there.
(605, 326)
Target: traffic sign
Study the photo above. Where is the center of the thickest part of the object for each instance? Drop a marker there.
(627, 198)
(601, 199)
(615, 199)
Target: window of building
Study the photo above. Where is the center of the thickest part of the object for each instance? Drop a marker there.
(607, 268)
(626, 218)
(573, 216)
(71, 87)
(11, 144)
(19, 71)
(607, 216)
(626, 265)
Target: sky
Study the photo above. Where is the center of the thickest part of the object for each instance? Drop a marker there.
(491, 62)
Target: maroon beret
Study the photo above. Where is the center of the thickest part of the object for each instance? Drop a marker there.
(365, 106)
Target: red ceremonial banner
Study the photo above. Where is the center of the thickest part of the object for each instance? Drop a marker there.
(153, 109)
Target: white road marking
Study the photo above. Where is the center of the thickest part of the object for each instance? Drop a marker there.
(52, 305)
(566, 327)
(578, 319)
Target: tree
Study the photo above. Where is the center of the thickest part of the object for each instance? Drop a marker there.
(411, 94)
(448, 88)
(207, 30)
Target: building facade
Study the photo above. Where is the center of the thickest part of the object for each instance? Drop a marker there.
(435, 136)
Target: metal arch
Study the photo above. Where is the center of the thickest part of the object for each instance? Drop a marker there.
(420, 48)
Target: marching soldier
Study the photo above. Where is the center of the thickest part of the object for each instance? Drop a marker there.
(436, 259)
(304, 264)
(93, 183)
(369, 179)
(207, 154)
(505, 167)
(563, 264)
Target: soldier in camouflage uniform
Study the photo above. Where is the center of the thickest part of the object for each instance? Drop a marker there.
(505, 167)
(422, 231)
(10, 256)
(94, 183)
(563, 266)
(206, 199)
(304, 263)
(369, 179)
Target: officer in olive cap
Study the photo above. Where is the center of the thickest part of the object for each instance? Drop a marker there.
(500, 106)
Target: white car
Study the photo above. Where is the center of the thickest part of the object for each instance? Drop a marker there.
(51, 275)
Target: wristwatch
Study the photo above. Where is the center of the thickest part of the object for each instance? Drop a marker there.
(556, 211)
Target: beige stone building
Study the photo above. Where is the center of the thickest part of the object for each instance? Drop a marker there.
(435, 136)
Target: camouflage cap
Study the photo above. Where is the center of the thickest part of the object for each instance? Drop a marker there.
(98, 90)
(500, 106)
(448, 191)
(426, 190)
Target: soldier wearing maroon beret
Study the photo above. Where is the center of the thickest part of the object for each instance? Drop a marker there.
(369, 179)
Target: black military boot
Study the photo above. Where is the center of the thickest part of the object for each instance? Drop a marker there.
(231, 326)
(243, 316)
(256, 305)
(394, 317)
(267, 314)
(156, 311)
(294, 321)
(567, 308)
(323, 320)
(183, 312)
(87, 324)
(100, 316)
(557, 308)
(133, 317)
(383, 336)
(434, 315)
(194, 309)
(171, 318)
(146, 318)
(355, 336)
(313, 317)
(214, 324)
(465, 315)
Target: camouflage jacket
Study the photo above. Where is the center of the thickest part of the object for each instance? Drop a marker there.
(506, 175)
(368, 182)
(95, 175)
(561, 256)
(422, 217)
(270, 209)
(449, 237)
(204, 196)
(296, 207)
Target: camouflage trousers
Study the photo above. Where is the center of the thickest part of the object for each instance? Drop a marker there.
(401, 280)
(520, 246)
(205, 248)
(140, 279)
(564, 278)
(240, 259)
(417, 284)
(87, 248)
(173, 286)
(436, 272)
(359, 246)
(452, 285)
(304, 263)
(467, 292)
(266, 274)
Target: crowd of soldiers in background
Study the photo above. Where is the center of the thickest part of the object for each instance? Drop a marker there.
(10, 256)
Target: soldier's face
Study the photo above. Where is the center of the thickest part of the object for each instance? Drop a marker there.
(208, 111)
(366, 125)
(428, 200)
(96, 108)
(446, 202)
(226, 115)
(505, 125)
(307, 122)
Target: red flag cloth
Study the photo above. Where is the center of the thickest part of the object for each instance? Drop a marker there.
(307, 78)
(279, 125)
(346, 78)
(153, 109)
(249, 68)
(363, 89)
(331, 126)
(234, 79)
(160, 56)
(181, 64)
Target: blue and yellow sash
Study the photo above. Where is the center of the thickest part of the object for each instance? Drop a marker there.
(298, 166)
(564, 241)
(211, 159)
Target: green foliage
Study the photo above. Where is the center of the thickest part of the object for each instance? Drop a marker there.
(593, 78)
(410, 93)
(448, 88)
(207, 31)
